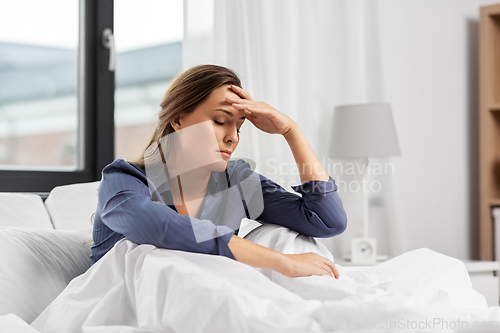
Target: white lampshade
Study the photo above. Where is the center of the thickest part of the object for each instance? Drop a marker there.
(363, 130)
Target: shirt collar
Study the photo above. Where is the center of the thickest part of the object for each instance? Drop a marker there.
(215, 183)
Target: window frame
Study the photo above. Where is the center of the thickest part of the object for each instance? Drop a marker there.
(95, 89)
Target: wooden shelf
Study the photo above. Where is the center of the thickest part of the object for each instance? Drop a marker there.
(489, 127)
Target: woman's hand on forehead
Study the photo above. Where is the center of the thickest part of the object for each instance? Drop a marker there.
(262, 115)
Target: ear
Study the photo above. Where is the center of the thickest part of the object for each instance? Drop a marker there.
(176, 123)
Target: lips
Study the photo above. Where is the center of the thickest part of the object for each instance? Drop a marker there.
(225, 153)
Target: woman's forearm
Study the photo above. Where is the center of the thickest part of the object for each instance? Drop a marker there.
(303, 264)
(269, 120)
(308, 164)
(256, 255)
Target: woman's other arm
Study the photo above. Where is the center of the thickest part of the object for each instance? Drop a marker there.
(304, 264)
(126, 208)
(319, 213)
(269, 120)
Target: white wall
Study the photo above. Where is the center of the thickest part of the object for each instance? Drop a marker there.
(429, 65)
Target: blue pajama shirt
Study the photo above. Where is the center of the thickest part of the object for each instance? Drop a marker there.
(125, 208)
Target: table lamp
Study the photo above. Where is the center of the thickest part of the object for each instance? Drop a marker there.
(361, 131)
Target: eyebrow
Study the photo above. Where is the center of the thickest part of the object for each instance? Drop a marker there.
(229, 113)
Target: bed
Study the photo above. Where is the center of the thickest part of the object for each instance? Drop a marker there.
(47, 287)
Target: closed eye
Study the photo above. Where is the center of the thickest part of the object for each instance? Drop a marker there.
(220, 124)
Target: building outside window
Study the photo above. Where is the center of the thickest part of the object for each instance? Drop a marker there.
(39, 75)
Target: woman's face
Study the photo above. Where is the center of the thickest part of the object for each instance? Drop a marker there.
(225, 120)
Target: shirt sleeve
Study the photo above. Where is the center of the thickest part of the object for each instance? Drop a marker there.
(126, 207)
(317, 213)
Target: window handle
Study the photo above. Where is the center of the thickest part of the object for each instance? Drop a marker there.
(108, 41)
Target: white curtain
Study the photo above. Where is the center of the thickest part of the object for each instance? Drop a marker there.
(303, 58)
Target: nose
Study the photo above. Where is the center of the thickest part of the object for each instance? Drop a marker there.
(232, 136)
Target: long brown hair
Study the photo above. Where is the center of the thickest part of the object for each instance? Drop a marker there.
(183, 95)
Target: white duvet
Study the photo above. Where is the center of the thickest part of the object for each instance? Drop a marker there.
(140, 288)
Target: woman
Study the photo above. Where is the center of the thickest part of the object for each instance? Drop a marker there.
(203, 107)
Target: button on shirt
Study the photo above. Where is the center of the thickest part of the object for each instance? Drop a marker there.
(129, 206)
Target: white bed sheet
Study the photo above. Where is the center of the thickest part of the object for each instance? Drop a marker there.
(11, 323)
(140, 288)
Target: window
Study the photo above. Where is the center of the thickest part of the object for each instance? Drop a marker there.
(148, 37)
(38, 84)
(56, 93)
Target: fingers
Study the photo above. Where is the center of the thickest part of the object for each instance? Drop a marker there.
(311, 263)
(328, 270)
(240, 104)
(240, 101)
(333, 268)
(336, 272)
(241, 92)
(249, 115)
(241, 107)
(250, 106)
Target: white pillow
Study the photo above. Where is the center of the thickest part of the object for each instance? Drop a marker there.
(246, 226)
(23, 210)
(287, 241)
(71, 206)
(36, 265)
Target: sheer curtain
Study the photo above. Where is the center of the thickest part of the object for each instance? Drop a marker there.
(303, 58)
